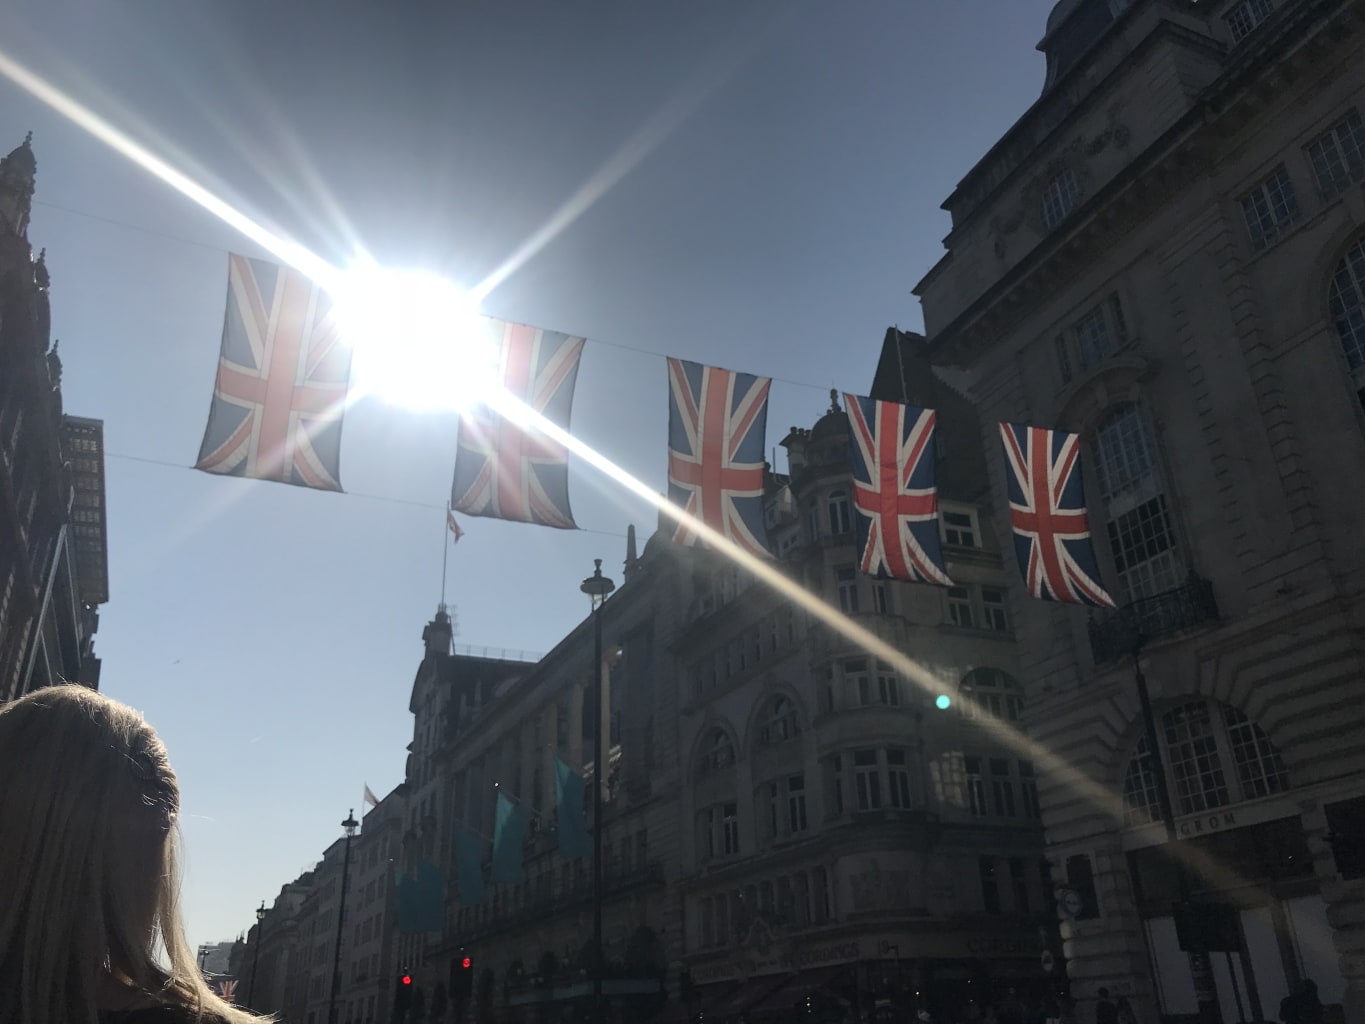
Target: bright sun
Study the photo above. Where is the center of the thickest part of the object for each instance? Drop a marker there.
(416, 339)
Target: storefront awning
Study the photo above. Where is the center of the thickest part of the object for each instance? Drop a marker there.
(739, 999)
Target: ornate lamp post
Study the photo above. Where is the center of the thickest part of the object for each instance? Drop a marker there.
(256, 955)
(349, 826)
(597, 587)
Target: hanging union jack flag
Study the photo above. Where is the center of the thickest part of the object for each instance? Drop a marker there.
(716, 425)
(1047, 512)
(895, 496)
(504, 470)
(281, 385)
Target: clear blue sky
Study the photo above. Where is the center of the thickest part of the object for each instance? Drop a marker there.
(796, 154)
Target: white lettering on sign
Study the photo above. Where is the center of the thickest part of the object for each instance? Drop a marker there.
(1207, 823)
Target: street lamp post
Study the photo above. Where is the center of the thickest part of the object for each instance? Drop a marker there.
(349, 825)
(597, 587)
(203, 955)
(256, 956)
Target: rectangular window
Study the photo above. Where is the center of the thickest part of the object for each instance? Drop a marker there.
(1338, 155)
(1094, 341)
(888, 686)
(859, 692)
(959, 529)
(1060, 197)
(993, 609)
(990, 888)
(708, 922)
(1244, 17)
(1270, 209)
(976, 786)
(1002, 788)
(960, 607)
(730, 827)
(796, 804)
(1028, 789)
(1063, 359)
(770, 799)
(880, 603)
(867, 780)
(1144, 549)
(846, 582)
(898, 779)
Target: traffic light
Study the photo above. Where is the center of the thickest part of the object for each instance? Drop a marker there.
(402, 996)
(462, 976)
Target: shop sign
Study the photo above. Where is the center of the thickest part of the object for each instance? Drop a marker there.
(1202, 824)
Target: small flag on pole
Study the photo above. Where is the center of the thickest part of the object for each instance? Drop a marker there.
(455, 532)
(574, 841)
(370, 798)
(509, 831)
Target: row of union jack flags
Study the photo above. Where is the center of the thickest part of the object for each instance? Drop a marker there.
(281, 387)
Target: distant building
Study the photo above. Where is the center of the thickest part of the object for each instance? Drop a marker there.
(217, 959)
(276, 952)
(1166, 254)
(53, 561)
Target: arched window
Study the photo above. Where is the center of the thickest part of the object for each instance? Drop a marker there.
(840, 520)
(1138, 521)
(1213, 755)
(718, 754)
(1346, 302)
(988, 691)
(779, 723)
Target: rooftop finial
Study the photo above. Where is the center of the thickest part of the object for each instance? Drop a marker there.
(28, 139)
(834, 400)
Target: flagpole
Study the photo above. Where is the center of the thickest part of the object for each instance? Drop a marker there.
(900, 362)
(445, 555)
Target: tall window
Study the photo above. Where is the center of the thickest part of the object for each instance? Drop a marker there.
(976, 786)
(960, 607)
(796, 804)
(993, 609)
(988, 691)
(1214, 756)
(846, 583)
(1139, 524)
(888, 686)
(1060, 197)
(859, 683)
(1338, 155)
(729, 823)
(1346, 304)
(835, 785)
(719, 825)
(839, 518)
(1270, 209)
(779, 723)
(867, 780)
(1002, 788)
(1019, 881)
(898, 779)
(990, 886)
(1028, 789)
(959, 528)
(881, 600)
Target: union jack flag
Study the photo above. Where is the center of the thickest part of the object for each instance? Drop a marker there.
(894, 492)
(1047, 512)
(281, 385)
(716, 425)
(504, 470)
(227, 989)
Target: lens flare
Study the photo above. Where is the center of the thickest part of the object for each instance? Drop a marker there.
(417, 340)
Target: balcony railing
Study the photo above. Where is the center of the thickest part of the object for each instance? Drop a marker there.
(1123, 631)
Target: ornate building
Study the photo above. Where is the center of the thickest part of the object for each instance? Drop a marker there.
(53, 564)
(1166, 254)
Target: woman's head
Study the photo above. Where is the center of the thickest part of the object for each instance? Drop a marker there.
(88, 882)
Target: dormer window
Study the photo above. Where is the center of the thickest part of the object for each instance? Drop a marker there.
(1060, 197)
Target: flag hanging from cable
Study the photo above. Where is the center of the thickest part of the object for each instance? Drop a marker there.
(282, 377)
(1048, 515)
(508, 470)
(509, 831)
(716, 425)
(895, 495)
(574, 841)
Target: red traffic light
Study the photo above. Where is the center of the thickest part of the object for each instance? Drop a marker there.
(466, 963)
(405, 979)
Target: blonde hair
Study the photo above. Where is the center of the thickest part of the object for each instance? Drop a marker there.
(89, 886)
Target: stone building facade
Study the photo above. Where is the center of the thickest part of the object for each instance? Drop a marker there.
(1166, 254)
(53, 563)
